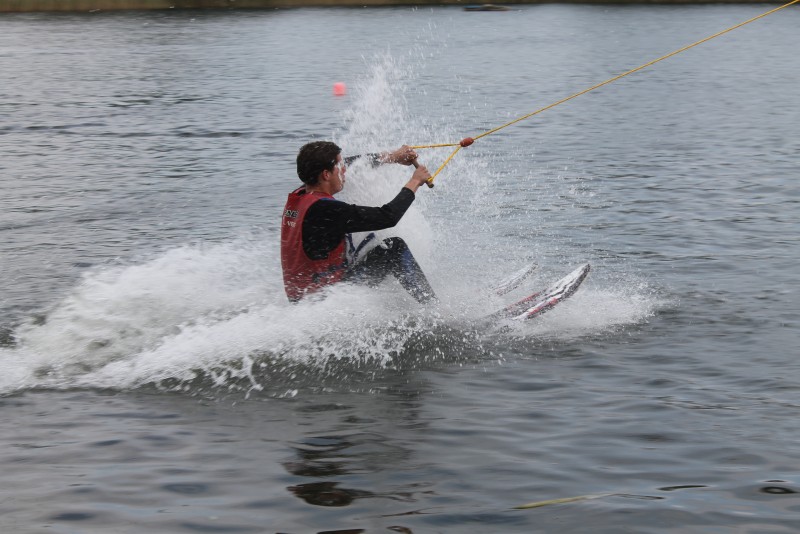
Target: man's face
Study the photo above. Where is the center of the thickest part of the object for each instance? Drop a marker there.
(338, 174)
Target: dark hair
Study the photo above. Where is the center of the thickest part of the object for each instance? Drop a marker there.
(314, 158)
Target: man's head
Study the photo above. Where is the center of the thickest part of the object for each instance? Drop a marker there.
(314, 158)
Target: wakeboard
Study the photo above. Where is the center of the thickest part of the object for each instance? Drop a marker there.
(513, 281)
(538, 303)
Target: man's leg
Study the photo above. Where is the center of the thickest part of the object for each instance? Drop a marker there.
(393, 256)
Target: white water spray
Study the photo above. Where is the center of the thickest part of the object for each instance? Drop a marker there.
(218, 312)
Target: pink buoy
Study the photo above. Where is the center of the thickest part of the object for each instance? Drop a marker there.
(339, 89)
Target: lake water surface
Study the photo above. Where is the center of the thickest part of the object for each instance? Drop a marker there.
(154, 377)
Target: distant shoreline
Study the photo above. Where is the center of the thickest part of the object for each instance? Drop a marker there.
(88, 6)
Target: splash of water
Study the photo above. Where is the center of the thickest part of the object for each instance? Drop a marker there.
(217, 314)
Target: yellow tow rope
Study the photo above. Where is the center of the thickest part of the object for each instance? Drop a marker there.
(469, 140)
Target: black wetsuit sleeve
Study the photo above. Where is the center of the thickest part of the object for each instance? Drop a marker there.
(373, 158)
(327, 221)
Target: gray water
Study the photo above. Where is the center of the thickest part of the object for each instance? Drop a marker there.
(154, 378)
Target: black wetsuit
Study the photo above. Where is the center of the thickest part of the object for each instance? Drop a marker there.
(328, 222)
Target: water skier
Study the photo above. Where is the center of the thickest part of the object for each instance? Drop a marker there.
(316, 245)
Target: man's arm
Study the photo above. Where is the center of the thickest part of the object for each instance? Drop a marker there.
(348, 218)
(328, 220)
(404, 155)
(373, 158)
(333, 216)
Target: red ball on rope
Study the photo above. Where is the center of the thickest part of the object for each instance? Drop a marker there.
(466, 141)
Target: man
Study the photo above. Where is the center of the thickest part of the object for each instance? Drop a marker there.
(316, 228)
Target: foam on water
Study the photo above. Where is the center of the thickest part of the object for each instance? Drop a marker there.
(217, 312)
(214, 309)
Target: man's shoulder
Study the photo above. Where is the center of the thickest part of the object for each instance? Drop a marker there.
(327, 203)
(327, 208)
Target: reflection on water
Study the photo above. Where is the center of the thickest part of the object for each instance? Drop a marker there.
(328, 494)
(341, 455)
(777, 490)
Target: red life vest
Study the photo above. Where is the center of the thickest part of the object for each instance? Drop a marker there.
(301, 274)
